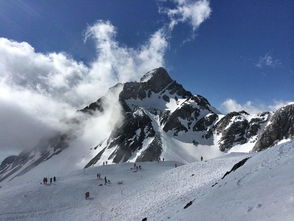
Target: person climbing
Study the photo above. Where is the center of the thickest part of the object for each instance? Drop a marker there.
(87, 195)
(54, 179)
(201, 158)
(105, 180)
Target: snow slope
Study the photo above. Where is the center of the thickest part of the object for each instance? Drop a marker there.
(262, 189)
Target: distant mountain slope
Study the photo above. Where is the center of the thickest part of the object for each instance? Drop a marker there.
(281, 126)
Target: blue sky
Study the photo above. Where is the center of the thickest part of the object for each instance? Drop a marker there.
(243, 51)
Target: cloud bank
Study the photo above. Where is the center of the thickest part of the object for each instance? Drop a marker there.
(39, 91)
(251, 107)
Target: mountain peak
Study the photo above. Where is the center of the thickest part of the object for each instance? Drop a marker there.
(157, 74)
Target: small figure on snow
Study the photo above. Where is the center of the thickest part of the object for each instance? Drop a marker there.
(54, 179)
(50, 180)
(87, 195)
(140, 168)
(98, 175)
(176, 165)
(201, 158)
(105, 180)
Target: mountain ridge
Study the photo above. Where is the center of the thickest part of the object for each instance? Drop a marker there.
(163, 120)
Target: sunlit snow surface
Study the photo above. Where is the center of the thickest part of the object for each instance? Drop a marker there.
(262, 189)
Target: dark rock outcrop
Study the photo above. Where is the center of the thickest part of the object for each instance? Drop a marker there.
(130, 135)
(188, 204)
(153, 151)
(155, 81)
(236, 166)
(204, 123)
(234, 128)
(185, 112)
(281, 126)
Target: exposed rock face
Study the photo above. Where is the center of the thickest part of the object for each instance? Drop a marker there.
(238, 128)
(7, 162)
(154, 81)
(186, 112)
(281, 126)
(136, 128)
(153, 151)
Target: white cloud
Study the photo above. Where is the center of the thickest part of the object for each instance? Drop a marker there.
(267, 61)
(230, 105)
(116, 63)
(51, 74)
(39, 91)
(194, 12)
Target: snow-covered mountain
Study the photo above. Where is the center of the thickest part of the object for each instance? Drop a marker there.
(160, 119)
(156, 111)
(163, 120)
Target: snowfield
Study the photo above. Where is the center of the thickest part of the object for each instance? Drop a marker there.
(261, 189)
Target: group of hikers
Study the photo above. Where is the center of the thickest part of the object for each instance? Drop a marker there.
(160, 160)
(135, 168)
(106, 181)
(49, 180)
(99, 177)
